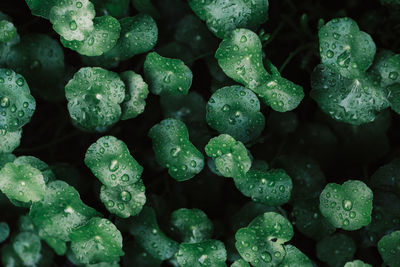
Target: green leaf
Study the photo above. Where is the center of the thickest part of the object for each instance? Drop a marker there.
(261, 243)
(345, 48)
(388, 248)
(222, 16)
(206, 253)
(5, 158)
(240, 57)
(16, 102)
(240, 263)
(139, 34)
(167, 76)
(9, 140)
(27, 246)
(357, 263)
(235, 110)
(61, 206)
(351, 100)
(347, 206)
(146, 7)
(115, 8)
(94, 95)
(340, 245)
(41, 7)
(36, 163)
(7, 31)
(173, 149)
(124, 201)
(394, 97)
(4, 231)
(72, 19)
(96, 241)
(387, 66)
(192, 225)
(136, 91)
(294, 257)
(58, 245)
(145, 229)
(9, 257)
(22, 183)
(309, 220)
(230, 156)
(40, 59)
(110, 161)
(102, 39)
(272, 187)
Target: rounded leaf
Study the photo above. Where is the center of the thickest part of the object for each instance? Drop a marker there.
(345, 48)
(145, 229)
(387, 66)
(9, 140)
(272, 187)
(96, 241)
(340, 245)
(230, 156)
(94, 95)
(27, 246)
(389, 248)
(7, 31)
(167, 76)
(357, 263)
(47, 173)
(124, 201)
(61, 206)
(102, 39)
(4, 231)
(110, 161)
(16, 102)
(206, 253)
(173, 149)
(355, 101)
(136, 91)
(222, 16)
(294, 257)
(347, 206)
(192, 225)
(72, 19)
(261, 243)
(235, 110)
(22, 183)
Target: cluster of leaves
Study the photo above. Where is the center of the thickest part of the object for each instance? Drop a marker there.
(136, 79)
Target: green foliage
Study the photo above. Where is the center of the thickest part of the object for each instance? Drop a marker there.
(340, 245)
(97, 241)
(347, 206)
(16, 102)
(41, 7)
(22, 183)
(167, 76)
(136, 91)
(192, 225)
(103, 37)
(61, 206)
(173, 149)
(223, 16)
(205, 253)
(124, 201)
(4, 231)
(94, 96)
(388, 248)
(272, 187)
(36, 163)
(27, 246)
(9, 140)
(357, 263)
(72, 19)
(309, 220)
(7, 31)
(147, 233)
(115, 8)
(235, 110)
(240, 57)
(111, 162)
(261, 243)
(294, 257)
(240, 263)
(230, 156)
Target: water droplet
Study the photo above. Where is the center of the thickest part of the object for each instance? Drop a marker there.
(167, 78)
(121, 206)
(226, 108)
(20, 82)
(72, 25)
(78, 4)
(21, 113)
(125, 196)
(243, 39)
(282, 188)
(254, 248)
(330, 54)
(193, 164)
(393, 75)
(13, 108)
(347, 204)
(91, 41)
(5, 102)
(125, 177)
(114, 165)
(110, 203)
(352, 214)
(277, 254)
(265, 256)
(344, 59)
(346, 222)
